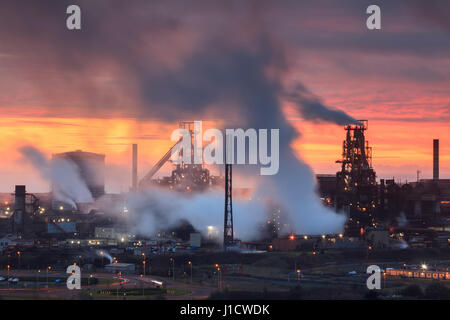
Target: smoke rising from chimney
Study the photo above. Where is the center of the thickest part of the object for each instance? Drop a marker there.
(104, 253)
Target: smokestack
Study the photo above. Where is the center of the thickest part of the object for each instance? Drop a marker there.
(436, 159)
(19, 209)
(134, 169)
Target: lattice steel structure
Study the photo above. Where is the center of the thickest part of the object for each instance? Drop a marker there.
(228, 232)
(356, 182)
(185, 177)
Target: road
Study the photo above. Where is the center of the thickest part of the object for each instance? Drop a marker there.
(127, 281)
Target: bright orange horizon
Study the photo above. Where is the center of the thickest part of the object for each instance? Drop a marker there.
(396, 153)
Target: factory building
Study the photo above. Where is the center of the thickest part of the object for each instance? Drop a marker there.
(316, 243)
(424, 200)
(120, 267)
(195, 239)
(105, 232)
(327, 188)
(61, 227)
(6, 241)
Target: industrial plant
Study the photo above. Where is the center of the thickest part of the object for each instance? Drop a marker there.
(418, 210)
(381, 215)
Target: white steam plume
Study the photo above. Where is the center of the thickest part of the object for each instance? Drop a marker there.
(68, 185)
(156, 209)
(103, 253)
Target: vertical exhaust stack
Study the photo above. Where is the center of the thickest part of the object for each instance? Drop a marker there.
(436, 159)
(18, 220)
(134, 169)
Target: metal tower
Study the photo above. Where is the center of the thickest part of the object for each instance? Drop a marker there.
(228, 220)
(228, 234)
(356, 184)
(185, 176)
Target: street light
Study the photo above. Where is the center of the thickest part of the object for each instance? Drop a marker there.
(143, 279)
(219, 276)
(18, 256)
(37, 279)
(190, 264)
(47, 270)
(143, 264)
(298, 274)
(8, 267)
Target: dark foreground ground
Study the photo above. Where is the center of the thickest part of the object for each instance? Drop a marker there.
(334, 274)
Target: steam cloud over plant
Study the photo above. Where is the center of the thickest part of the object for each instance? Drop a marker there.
(67, 184)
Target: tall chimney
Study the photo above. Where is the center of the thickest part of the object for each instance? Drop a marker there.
(436, 159)
(134, 169)
(19, 216)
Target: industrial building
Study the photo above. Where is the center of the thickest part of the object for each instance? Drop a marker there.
(419, 274)
(120, 267)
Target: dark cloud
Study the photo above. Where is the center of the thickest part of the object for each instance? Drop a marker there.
(407, 43)
(141, 58)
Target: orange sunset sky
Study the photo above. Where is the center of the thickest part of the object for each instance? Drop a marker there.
(62, 91)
